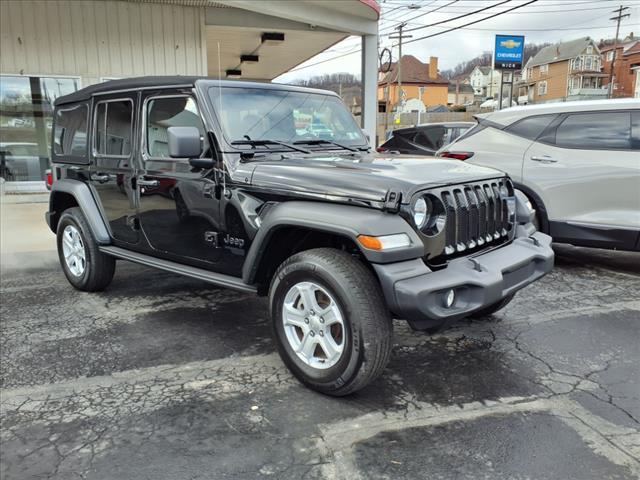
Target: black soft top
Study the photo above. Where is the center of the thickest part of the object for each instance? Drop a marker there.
(125, 84)
(168, 81)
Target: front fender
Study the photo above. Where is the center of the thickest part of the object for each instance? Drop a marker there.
(344, 220)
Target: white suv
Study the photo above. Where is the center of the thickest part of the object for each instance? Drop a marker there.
(578, 162)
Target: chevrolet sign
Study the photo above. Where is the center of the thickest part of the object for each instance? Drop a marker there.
(508, 53)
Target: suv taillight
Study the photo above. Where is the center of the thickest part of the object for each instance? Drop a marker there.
(49, 178)
(457, 155)
(381, 150)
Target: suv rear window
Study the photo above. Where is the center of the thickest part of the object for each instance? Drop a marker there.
(595, 131)
(530, 127)
(70, 131)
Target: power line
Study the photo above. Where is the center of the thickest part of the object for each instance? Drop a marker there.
(426, 13)
(458, 17)
(472, 23)
(548, 29)
(549, 11)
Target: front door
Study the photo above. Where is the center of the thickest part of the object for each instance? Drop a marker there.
(178, 210)
(112, 169)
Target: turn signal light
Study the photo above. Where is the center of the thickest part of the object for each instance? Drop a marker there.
(457, 155)
(385, 242)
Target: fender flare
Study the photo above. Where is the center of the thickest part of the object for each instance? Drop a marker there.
(343, 220)
(87, 203)
(538, 204)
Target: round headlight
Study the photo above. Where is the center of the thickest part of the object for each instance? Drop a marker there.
(420, 212)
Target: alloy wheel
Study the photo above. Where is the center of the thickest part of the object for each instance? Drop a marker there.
(314, 325)
(73, 250)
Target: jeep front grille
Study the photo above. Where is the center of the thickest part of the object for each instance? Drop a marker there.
(477, 215)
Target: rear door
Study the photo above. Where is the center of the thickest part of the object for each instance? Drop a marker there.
(112, 168)
(586, 169)
(502, 148)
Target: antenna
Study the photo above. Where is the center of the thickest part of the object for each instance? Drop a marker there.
(224, 176)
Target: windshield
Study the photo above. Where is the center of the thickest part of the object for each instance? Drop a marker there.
(249, 114)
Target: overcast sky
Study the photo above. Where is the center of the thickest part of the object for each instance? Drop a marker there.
(542, 21)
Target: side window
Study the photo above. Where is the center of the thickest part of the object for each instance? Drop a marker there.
(599, 131)
(530, 127)
(114, 124)
(70, 131)
(165, 112)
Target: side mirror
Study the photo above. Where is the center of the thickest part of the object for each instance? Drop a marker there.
(184, 142)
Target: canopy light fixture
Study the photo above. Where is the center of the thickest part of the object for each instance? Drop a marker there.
(272, 38)
(234, 73)
(249, 58)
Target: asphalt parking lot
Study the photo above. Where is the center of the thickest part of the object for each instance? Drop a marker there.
(163, 377)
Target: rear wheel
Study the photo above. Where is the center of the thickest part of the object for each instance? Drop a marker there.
(332, 328)
(85, 267)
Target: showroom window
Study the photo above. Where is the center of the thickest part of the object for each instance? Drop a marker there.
(26, 119)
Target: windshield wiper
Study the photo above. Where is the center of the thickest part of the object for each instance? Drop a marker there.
(255, 143)
(320, 141)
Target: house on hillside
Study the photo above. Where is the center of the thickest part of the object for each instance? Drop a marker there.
(485, 81)
(565, 71)
(422, 86)
(626, 74)
(460, 94)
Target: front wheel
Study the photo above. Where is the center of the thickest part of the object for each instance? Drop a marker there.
(331, 325)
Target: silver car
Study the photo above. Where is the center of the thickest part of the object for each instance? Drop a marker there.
(578, 162)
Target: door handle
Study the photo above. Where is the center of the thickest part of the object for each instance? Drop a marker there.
(100, 177)
(543, 159)
(148, 183)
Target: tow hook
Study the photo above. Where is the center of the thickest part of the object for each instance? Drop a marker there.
(535, 241)
(476, 265)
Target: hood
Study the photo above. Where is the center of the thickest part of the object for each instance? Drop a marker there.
(366, 177)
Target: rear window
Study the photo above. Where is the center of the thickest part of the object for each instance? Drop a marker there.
(472, 131)
(531, 127)
(595, 131)
(70, 132)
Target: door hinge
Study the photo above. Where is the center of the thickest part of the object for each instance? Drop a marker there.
(392, 201)
(212, 239)
(133, 222)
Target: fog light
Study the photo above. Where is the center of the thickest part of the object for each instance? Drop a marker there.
(449, 298)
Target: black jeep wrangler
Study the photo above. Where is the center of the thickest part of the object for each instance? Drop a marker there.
(273, 189)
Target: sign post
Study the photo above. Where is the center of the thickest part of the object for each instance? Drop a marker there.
(507, 57)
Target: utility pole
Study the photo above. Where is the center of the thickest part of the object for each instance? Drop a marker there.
(617, 18)
(400, 37)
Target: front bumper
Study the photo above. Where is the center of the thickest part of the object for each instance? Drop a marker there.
(416, 293)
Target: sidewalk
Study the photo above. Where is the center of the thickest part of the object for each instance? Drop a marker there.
(25, 238)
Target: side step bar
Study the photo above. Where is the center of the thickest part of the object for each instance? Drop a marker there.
(218, 279)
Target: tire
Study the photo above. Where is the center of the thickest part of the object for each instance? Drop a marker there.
(92, 270)
(347, 290)
(491, 309)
